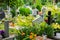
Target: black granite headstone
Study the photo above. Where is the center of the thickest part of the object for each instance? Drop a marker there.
(2, 15)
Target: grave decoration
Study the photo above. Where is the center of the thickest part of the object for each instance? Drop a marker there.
(2, 33)
(6, 27)
(5, 33)
(49, 17)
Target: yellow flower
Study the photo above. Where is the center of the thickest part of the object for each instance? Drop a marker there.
(31, 33)
(35, 35)
(58, 26)
(23, 34)
(31, 37)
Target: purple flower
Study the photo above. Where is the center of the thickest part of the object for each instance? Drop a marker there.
(2, 32)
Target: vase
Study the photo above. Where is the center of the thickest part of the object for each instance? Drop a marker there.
(57, 34)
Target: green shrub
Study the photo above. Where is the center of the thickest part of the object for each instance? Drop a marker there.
(49, 31)
(24, 11)
(38, 30)
(43, 2)
(39, 7)
(58, 4)
(58, 18)
(13, 12)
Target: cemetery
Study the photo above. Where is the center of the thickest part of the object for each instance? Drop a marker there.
(29, 19)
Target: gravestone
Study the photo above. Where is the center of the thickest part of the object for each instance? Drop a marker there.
(2, 15)
(38, 20)
(41, 17)
(7, 36)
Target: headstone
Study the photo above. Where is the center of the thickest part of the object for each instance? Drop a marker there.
(6, 27)
(2, 15)
(38, 20)
(41, 17)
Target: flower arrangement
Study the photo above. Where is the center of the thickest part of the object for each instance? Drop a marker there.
(27, 33)
(30, 33)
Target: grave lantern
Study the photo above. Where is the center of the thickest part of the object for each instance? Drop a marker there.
(49, 17)
(6, 27)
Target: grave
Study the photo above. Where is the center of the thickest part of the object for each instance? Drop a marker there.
(6, 29)
(38, 20)
(41, 17)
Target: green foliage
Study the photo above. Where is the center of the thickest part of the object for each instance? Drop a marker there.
(58, 4)
(28, 2)
(24, 21)
(12, 31)
(39, 7)
(43, 2)
(27, 38)
(1, 26)
(58, 18)
(12, 3)
(4, 1)
(15, 3)
(37, 29)
(49, 31)
(25, 11)
(13, 12)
